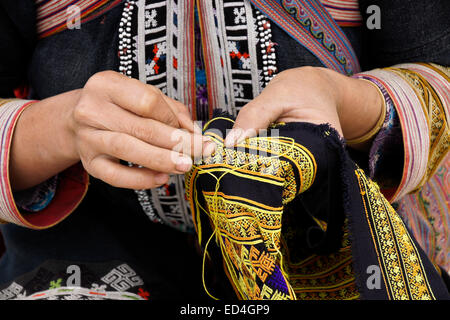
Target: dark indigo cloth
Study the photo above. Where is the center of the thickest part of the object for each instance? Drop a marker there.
(244, 212)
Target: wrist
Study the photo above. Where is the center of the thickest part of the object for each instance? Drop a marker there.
(67, 140)
(42, 144)
(360, 109)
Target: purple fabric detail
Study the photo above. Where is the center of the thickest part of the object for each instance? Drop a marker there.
(277, 281)
(200, 76)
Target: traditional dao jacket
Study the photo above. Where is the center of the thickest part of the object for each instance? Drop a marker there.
(302, 221)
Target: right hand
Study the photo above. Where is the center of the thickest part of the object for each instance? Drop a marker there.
(118, 118)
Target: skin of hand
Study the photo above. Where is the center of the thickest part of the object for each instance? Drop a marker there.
(111, 118)
(315, 95)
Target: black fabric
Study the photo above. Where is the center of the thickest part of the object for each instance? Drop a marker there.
(335, 195)
(411, 31)
(108, 227)
(66, 60)
(17, 41)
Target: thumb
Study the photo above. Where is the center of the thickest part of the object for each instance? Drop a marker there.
(254, 116)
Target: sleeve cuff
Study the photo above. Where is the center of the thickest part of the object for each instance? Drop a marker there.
(419, 93)
(414, 128)
(72, 184)
(386, 154)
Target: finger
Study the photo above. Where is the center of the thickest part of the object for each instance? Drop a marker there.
(128, 148)
(151, 131)
(112, 172)
(131, 94)
(184, 116)
(254, 116)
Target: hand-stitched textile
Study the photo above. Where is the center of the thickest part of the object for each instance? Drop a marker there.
(233, 57)
(64, 280)
(219, 49)
(420, 94)
(55, 15)
(295, 218)
(344, 12)
(309, 23)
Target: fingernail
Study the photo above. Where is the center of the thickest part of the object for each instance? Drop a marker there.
(161, 178)
(183, 164)
(233, 137)
(208, 148)
(206, 139)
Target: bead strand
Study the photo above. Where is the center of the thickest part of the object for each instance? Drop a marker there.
(267, 47)
(125, 58)
(125, 67)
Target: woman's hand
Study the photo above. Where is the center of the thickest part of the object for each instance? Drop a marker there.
(112, 118)
(315, 95)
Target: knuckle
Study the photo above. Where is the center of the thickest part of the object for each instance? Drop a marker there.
(98, 79)
(82, 112)
(153, 89)
(111, 176)
(95, 79)
(147, 101)
(171, 119)
(89, 165)
(308, 69)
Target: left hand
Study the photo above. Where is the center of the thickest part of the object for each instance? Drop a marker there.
(311, 94)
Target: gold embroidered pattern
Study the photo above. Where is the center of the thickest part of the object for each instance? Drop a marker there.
(248, 232)
(237, 220)
(322, 277)
(436, 115)
(5, 101)
(399, 259)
